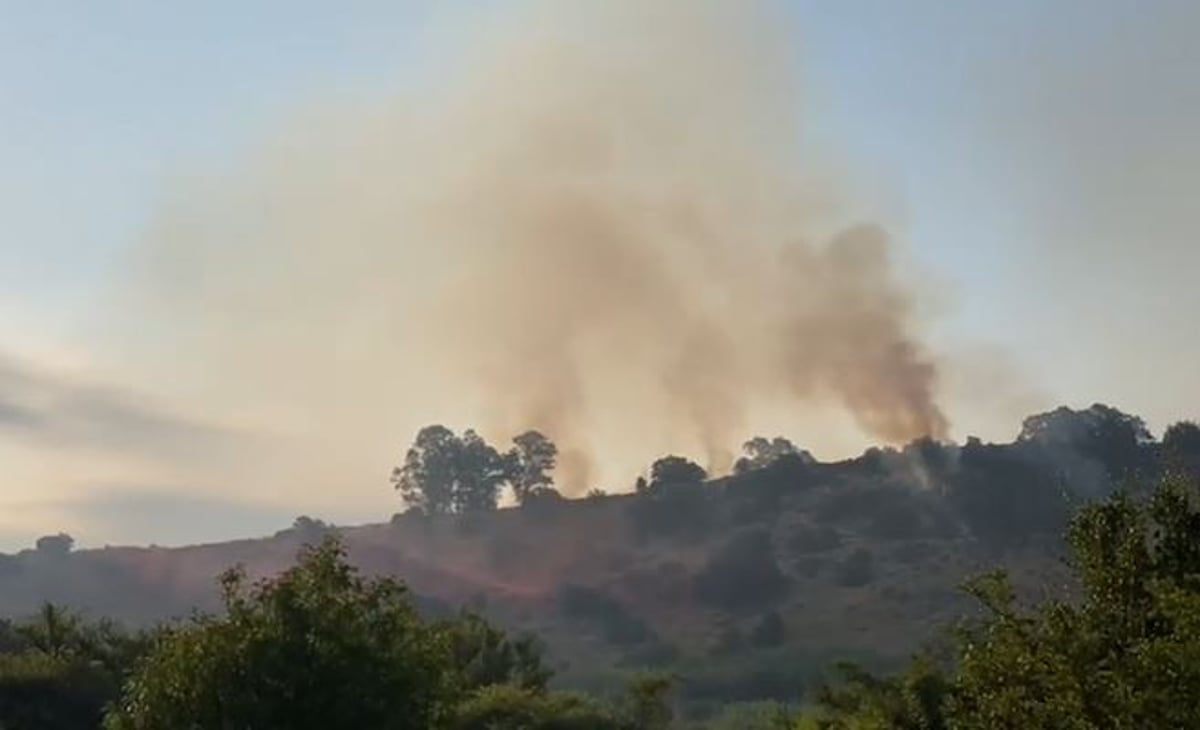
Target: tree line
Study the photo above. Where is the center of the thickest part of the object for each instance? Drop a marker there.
(447, 473)
(1001, 492)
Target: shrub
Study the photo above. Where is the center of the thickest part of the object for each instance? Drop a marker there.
(858, 569)
(814, 539)
(769, 632)
(742, 573)
(616, 624)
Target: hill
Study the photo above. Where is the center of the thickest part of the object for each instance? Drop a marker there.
(747, 585)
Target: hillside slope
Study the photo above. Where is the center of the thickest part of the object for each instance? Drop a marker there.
(768, 574)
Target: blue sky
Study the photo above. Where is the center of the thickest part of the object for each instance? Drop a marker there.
(1038, 158)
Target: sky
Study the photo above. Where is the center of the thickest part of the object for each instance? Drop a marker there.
(1038, 162)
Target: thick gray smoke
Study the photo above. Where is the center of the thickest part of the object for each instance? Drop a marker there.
(603, 223)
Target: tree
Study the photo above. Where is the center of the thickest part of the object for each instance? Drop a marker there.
(444, 473)
(860, 701)
(649, 702)
(509, 707)
(316, 648)
(427, 479)
(1102, 435)
(672, 502)
(484, 655)
(533, 458)
(45, 692)
(1124, 654)
(673, 470)
(55, 545)
(760, 452)
(308, 529)
(59, 672)
(1181, 447)
(1182, 437)
(482, 471)
(1004, 497)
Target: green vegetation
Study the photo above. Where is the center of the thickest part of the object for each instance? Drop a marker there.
(742, 574)
(319, 646)
(724, 598)
(1124, 655)
(444, 473)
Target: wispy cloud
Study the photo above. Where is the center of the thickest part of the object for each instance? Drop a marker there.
(48, 408)
(177, 514)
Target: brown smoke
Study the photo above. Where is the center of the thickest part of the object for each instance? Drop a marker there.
(605, 225)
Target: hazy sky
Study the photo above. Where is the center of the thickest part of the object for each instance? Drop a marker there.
(1038, 162)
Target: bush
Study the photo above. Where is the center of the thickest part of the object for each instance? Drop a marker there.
(742, 573)
(814, 539)
(914, 551)
(502, 707)
(616, 624)
(769, 632)
(858, 569)
(1121, 653)
(55, 545)
(654, 654)
(899, 521)
(1005, 498)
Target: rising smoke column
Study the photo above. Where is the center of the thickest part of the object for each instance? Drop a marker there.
(600, 222)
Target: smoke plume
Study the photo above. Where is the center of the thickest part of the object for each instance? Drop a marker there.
(602, 222)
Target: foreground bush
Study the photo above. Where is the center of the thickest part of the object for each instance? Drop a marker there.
(318, 647)
(1126, 655)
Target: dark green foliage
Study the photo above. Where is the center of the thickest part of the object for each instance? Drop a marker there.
(59, 671)
(807, 539)
(902, 521)
(55, 545)
(1125, 655)
(769, 631)
(1180, 448)
(601, 610)
(321, 647)
(913, 551)
(649, 702)
(858, 569)
(749, 676)
(40, 691)
(444, 473)
(728, 639)
(759, 453)
(652, 654)
(543, 503)
(1117, 442)
(308, 530)
(672, 471)
(318, 647)
(742, 574)
(761, 715)
(1005, 496)
(508, 707)
(756, 494)
(532, 459)
(483, 655)
(860, 701)
(673, 503)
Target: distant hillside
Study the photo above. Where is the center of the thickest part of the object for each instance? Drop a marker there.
(780, 567)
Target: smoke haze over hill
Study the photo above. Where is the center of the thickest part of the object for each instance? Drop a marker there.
(601, 222)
